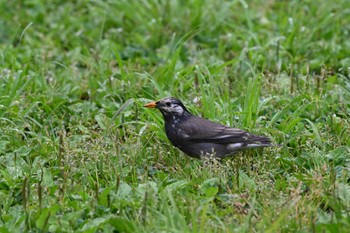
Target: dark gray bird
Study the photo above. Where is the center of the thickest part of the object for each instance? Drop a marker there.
(198, 137)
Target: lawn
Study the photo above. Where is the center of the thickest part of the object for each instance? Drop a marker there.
(79, 153)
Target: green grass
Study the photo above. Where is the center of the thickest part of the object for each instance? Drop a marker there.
(79, 153)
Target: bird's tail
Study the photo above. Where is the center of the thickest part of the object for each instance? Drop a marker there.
(258, 141)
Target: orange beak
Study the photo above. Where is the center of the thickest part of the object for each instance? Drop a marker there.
(150, 105)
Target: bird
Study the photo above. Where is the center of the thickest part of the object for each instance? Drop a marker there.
(201, 138)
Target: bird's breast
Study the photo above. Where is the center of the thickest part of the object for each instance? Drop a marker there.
(175, 134)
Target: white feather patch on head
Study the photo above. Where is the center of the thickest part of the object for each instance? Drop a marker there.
(174, 108)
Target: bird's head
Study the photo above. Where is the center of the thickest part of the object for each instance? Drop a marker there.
(169, 106)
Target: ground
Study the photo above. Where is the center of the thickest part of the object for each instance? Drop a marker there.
(79, 153)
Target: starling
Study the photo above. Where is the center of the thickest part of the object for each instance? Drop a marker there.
(198, 137)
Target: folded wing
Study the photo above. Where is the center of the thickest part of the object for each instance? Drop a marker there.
(204, 131)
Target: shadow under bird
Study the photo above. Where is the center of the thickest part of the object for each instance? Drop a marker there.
(198, 137)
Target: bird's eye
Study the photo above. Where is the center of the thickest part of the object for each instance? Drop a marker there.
(168, 104)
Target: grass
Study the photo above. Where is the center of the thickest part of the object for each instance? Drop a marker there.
(79, 153)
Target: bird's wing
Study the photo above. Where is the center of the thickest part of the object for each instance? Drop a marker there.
(198, 129)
